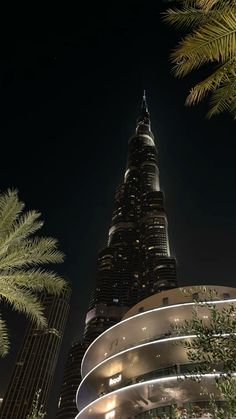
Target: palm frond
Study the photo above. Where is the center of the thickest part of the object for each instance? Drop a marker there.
(222, 98)
(4, 340)
(10, 208)
(24, 227)
(33, 279)
(188, 17)
(221, 75)
(215, 41)
(23, 301)
(18, 252)
(187, 3)
(232, 108)
(29, 252)
(208, 5)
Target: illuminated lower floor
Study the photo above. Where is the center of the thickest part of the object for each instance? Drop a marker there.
(144, 399)
(139, 368)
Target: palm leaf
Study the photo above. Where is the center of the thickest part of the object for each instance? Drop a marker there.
(211, 83)
(33, 279)
(10, 208)
(232, 108)
(187, 3)
(29, 252)
(23, 301)
(25, 226)
(215, 41)
(18, 250)
(4, 340)
(208, 5)
(222, 98)
(189, 17)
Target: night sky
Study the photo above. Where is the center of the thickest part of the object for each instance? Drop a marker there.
(71, 91)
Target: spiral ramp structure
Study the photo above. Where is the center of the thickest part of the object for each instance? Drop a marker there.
(137, 368)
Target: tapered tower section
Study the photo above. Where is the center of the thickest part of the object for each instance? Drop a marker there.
(136, 262)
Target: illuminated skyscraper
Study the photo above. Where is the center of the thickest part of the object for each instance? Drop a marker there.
(133, 370)
(36, 363)
(137, 261)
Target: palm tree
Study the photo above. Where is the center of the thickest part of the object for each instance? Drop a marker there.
(21, 278)
(212, 39)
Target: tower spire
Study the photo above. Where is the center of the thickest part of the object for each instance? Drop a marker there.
(143, 121)
(144, 102)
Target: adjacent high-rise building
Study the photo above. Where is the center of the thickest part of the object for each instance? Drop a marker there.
(36, 363)
(136, 261)
(72, 376)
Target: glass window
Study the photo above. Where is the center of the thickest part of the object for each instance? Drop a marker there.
(165, 301)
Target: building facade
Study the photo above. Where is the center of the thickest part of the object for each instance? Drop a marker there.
(136, 262)
(136, 370)
(36, 363)
(72, 377)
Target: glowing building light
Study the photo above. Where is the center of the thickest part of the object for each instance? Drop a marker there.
(115, 380)
(110, 415)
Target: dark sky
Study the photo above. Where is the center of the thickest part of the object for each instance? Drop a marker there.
(71, 91)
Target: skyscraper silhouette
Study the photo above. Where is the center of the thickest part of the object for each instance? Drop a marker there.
(36, 363)
(72, 376)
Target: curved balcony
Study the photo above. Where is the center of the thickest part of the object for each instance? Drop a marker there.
(129, 401)
(135, 366)
(141, 328)
(131, 365)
